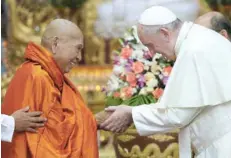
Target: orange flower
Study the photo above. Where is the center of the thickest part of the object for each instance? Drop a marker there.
(127, 92)
(167, 70)
(131, 79)
(116, 95)
(126, 52)
(157, 93)
(138, 67)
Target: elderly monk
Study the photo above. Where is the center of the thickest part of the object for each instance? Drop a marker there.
(197, 97)
(217, 22)
(70, 130)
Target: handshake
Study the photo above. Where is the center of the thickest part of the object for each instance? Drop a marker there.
(115, 118)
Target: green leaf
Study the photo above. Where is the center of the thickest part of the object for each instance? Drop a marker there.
(111, 101)
(140, 100)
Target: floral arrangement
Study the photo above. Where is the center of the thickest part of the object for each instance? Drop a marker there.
(138, 77)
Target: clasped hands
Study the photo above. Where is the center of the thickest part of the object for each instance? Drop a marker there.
(115, 118)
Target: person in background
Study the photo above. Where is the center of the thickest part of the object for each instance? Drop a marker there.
(217, 22)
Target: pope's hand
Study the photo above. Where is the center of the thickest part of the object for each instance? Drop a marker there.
(28, 121)
(120, 119)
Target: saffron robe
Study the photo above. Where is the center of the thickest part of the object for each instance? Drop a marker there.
(197, 97)
(71, 130)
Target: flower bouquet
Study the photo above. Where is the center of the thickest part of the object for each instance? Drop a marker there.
(138, 76)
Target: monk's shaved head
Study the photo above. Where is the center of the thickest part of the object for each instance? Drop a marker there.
(205, 20)
(217, 22)
(64, 40)
(60, 28)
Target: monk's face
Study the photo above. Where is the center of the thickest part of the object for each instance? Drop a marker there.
(67, 52)
(159, 42)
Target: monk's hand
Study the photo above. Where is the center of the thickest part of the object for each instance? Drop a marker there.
(28, 121)
(120, 119)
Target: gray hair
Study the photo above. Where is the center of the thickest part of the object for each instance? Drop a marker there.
(220, 22)
(173, 26)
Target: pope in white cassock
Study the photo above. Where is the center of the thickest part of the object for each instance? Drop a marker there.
(197, 97)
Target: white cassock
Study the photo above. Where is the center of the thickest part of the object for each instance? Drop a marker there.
(7, 127)
(197, 97)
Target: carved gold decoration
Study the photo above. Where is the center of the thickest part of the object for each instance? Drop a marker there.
(126, 138)
(93, 45)
(150, 151)
(130, 144)
(161, 137)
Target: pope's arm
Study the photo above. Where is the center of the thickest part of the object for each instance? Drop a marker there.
(7, 127)
(150, 119)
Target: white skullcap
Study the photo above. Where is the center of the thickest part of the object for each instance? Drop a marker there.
(157, 15)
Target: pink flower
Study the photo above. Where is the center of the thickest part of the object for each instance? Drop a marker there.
(126, 52)
(127, 91)
(148, 54)
(167, 70)
(138, 67)
(131, 79)
(116, 94)
(157, 93)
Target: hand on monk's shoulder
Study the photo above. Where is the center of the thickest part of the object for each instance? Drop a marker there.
(28, 121)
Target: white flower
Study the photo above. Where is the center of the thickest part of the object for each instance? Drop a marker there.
(117, 70)
(113, 83)
(148, 63)
(149, 89)
(157, 56)
(155, 68)
(134, 90)
(152, 82)
(146, 67)
(137, 54)
(128, 37)
(143, 91)
(148, 76)
(123, 61)
(125, 84)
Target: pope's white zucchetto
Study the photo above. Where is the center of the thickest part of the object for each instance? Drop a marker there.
(157, 15)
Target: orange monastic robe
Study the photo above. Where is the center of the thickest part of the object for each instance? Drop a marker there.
(70, 131)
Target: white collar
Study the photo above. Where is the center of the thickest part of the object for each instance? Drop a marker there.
(182, 36)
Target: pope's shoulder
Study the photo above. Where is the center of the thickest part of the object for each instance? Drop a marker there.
(201, 39)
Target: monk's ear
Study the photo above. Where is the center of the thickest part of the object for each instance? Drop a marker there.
(224, 33)
(55, 41)
(165, 34)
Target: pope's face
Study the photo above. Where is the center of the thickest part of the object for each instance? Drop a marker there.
(67, 52)
(158, 42)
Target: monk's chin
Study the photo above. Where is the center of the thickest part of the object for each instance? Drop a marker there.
(66, 71)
